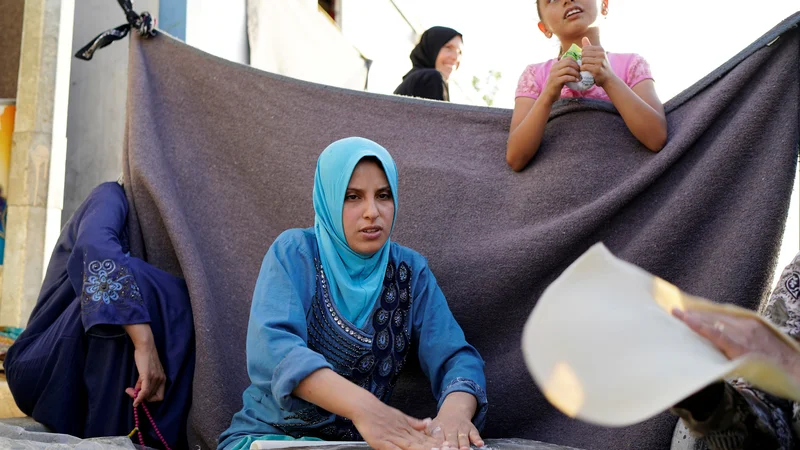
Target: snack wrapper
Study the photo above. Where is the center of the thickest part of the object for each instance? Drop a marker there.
(587, 80)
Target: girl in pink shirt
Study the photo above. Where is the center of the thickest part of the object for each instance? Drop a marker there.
(624, 79)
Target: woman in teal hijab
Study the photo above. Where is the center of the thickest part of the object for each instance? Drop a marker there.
(335, 311)
(355, 278)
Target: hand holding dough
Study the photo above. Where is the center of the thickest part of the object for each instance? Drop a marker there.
(738, 336)
(603, 346)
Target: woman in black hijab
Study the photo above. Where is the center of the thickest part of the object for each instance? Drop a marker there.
(436, 56)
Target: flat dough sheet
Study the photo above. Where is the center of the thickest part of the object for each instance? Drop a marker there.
(603, 347)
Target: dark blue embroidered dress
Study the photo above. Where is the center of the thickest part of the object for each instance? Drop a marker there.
(70, 367)
(295, 329)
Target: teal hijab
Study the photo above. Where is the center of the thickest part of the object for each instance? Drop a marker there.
(354, 280)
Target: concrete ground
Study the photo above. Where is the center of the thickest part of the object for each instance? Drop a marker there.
(8, 408)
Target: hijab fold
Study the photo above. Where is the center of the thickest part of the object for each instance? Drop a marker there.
(354, 280)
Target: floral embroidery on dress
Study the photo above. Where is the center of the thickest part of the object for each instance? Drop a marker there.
(793, 285)
(527, 85)
(392, 338)
(783, 307)
(100, 285)
(745, 418)
(105, 283)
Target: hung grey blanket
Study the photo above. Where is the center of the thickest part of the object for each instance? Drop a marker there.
(220, 158)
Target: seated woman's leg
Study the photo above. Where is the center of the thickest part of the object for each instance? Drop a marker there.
(44, 373)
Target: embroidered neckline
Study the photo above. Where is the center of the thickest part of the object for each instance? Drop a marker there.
(345, 325)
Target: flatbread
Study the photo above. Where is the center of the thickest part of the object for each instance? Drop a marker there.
(603, 346)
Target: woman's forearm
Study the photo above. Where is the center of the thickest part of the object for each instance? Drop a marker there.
(645, 123)
(141, 334)
(332, 392)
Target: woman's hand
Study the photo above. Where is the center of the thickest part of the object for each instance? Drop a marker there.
(738, 336)
(562, 72)
(453, 426)
(595, 61)
(151, 374)
(381, 426)
(386, 428)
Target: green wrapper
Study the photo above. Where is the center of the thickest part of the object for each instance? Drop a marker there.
(573, 52)
(586, 81)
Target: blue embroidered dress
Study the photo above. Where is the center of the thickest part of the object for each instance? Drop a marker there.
(70, 366)
(295, 329)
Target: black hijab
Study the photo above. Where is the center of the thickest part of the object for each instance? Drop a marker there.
(423, 80)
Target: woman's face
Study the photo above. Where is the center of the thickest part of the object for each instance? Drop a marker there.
(368, 211)
(449, 57)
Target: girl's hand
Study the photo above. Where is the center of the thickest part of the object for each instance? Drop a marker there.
(453, 426)
(562, 72)
(739, 336)
(386, 428)
(594, 61)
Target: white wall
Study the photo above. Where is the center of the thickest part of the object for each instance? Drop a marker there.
(382, 35)
(98, 88)
(300, 41)
(218, 27)
(97, 95)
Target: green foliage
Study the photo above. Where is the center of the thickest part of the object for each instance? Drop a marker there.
(488, 86)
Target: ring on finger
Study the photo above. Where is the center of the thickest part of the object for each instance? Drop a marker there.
(719, 326)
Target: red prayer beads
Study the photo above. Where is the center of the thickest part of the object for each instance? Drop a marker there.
(152, 422)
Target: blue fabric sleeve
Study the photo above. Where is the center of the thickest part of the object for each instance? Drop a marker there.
(278, 357)
(98, 268)
(449, 362)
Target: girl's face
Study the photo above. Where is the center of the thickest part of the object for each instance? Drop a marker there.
(567, 19)
(368, 211)
(449, 57)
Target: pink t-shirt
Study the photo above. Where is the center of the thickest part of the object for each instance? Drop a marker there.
(629, 67)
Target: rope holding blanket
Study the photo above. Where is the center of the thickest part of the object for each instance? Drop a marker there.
(138, 429)
(144, 23)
